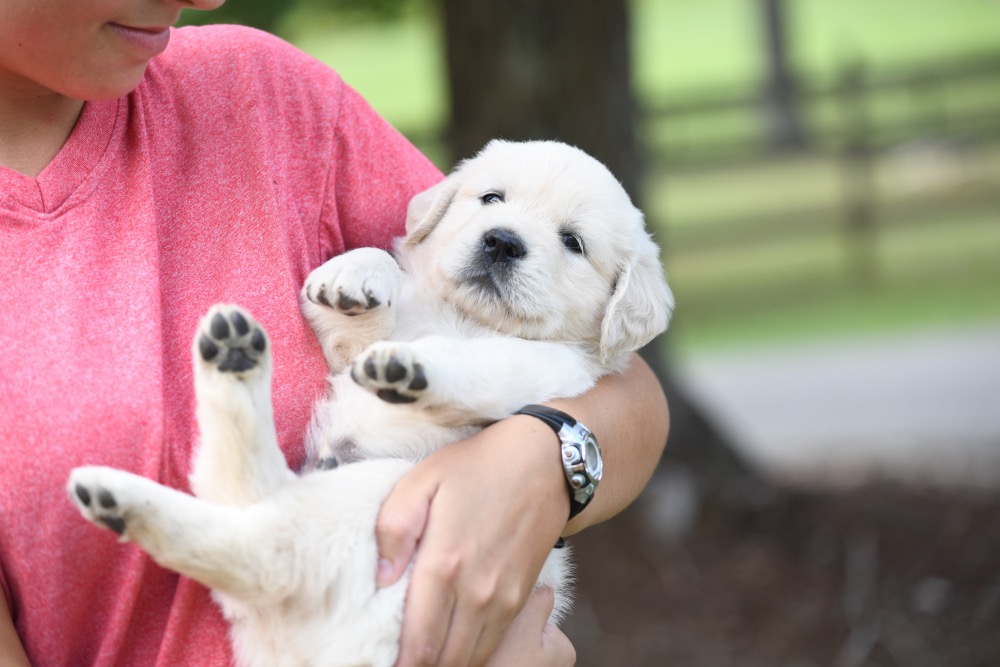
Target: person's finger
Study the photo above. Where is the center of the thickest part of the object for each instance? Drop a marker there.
(429, 599)
(460, 642)
(401, 522)
(524, 628)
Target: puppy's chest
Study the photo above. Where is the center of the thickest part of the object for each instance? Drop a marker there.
(419, 316)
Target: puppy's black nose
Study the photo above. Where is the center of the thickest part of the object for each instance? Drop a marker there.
(502, 246)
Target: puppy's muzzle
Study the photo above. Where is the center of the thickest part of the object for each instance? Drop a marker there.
(502, 246)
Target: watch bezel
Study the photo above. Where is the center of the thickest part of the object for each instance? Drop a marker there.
(588, 462)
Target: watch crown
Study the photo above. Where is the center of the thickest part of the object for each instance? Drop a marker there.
(570, 455)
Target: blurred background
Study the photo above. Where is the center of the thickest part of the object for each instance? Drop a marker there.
(824, 179)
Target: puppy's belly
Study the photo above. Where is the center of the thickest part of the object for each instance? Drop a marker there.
(323, 541)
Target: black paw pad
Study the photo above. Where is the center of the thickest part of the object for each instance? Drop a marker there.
(393, 396)
(219, 327)
(419, 381)
(394, 371)
(345, 302)
(240, 324)
(322, 298)
(83, 494)
(236, 361)
(114, 523)
(106, 500)
(208, 349)
(257, 340)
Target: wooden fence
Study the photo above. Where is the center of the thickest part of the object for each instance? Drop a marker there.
(854, 120)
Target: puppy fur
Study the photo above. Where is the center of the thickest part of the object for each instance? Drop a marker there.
(525, 275)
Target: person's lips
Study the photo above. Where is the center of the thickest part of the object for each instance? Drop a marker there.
(149, 41)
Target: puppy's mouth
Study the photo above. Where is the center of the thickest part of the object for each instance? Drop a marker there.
(495, 294)
(492, 281)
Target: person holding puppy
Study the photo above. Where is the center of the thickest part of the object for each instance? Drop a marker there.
(146, 173)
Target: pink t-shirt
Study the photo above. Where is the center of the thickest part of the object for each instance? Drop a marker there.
(237, 166)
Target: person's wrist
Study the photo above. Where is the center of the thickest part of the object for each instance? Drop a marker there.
(539, 447)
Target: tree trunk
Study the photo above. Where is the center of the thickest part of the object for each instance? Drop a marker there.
(543, 69)
(560, 69)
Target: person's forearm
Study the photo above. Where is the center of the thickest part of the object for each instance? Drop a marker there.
(11, 651)
(628, 414)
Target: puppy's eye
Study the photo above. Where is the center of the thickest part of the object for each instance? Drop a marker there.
(491, 198)
(573, 243)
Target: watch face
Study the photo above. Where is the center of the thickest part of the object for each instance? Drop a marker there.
(592, 457)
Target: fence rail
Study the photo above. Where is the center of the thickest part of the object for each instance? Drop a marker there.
(926, 87)
(849, 127)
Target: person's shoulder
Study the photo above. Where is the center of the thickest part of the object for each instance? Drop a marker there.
(238, 58)
(225, 42)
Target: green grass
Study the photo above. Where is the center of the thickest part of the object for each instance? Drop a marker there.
(936, 273)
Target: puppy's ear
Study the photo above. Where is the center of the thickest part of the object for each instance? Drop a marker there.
(426, 210)
(640, 307)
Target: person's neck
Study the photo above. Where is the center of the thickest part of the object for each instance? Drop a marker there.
(34, 125)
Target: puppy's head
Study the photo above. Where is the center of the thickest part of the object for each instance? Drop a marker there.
(539, 240)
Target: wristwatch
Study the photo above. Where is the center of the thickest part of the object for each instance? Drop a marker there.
(581, 456)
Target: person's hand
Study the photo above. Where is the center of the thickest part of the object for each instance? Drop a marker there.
(481, 516)
(531, 641)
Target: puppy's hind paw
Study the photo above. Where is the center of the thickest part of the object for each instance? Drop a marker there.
(92, 490)
(230, 341)
(391, 372)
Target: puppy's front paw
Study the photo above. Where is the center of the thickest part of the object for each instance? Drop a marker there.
(391, 372)
(354, 283)
(97, 493)
(230, 340)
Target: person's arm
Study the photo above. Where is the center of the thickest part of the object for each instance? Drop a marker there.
(11, 651)
(628, 414)
(485, 514)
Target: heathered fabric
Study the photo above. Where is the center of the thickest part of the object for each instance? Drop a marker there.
(237, 166)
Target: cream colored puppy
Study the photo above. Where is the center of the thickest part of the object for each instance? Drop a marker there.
(525, 275)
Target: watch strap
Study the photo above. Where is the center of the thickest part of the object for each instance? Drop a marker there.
(555, 420)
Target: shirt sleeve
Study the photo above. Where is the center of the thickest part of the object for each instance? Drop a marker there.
(374, 173)
(347, 173)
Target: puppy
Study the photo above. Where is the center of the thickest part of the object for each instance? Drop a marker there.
(525, 275)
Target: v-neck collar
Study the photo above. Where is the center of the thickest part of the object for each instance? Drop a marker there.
(72, 166)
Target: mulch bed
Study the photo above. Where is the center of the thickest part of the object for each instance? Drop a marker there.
(879, 576)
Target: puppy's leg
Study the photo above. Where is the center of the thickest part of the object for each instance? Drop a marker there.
(479, 379)
(213, 544)
(348, 300)
(238, 460)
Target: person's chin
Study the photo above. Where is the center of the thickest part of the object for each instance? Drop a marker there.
(123, 82)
